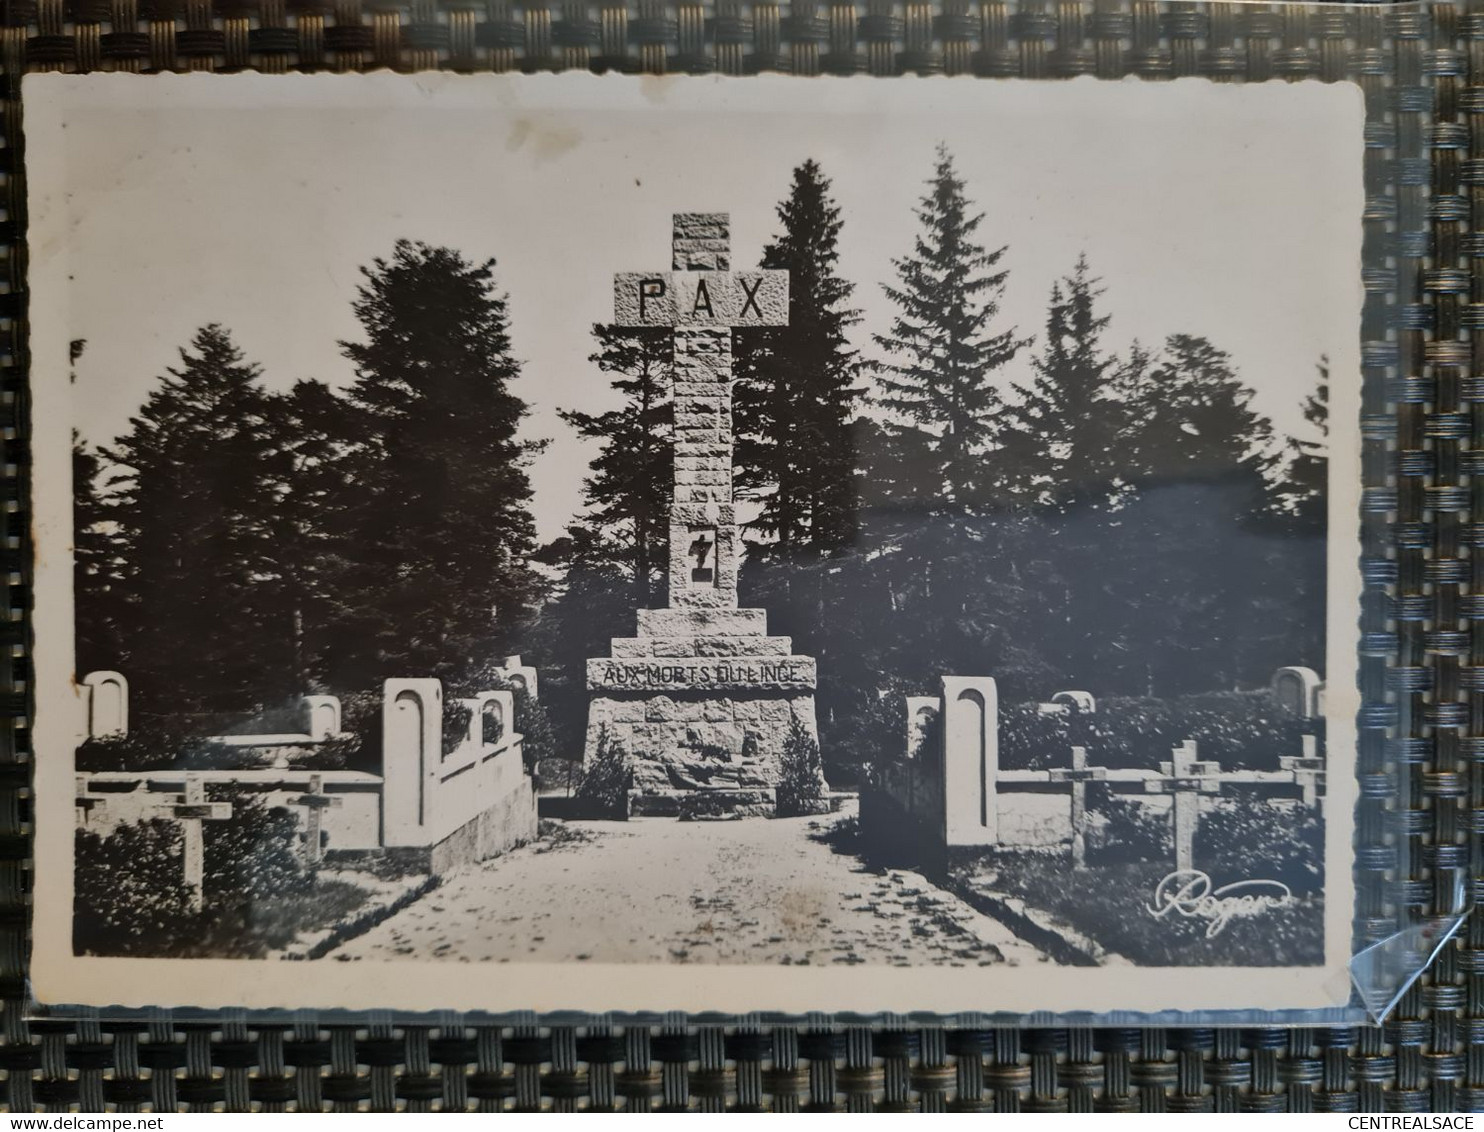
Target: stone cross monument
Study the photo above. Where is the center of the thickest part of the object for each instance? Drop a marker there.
(702, 697)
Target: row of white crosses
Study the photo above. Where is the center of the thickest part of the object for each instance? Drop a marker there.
(1185, 778)
(191, 809)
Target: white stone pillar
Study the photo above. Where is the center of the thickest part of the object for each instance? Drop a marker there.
(971, 760)
(1300, 690)
(411, 746)
(921, 710)
(321, 716)
(108, 705)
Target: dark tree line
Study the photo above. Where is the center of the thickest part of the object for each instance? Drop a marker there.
(237, 545)
(1042, 508)
(970, 498)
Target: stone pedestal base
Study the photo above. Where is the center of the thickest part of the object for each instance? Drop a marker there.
(702, 701)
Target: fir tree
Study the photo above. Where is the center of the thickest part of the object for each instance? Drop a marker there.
(1063, 433)
(632, 480)
(309, 427)
(944, 355)
(1194, 420)
(94, 564)
(796, 385)
(437, 487)
(1187, 570)
(593, 602)
(1307, 478)
(200, 615)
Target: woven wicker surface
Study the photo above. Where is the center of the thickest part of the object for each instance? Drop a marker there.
(1422, 669)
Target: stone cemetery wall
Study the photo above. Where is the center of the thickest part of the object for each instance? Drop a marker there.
(441, 802)
(947, 790)
(1034, 820)
(902, 813)
(468, 803)
(911, 792)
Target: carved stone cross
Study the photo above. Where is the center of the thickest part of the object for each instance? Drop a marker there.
(702, 300)
(1186, 778)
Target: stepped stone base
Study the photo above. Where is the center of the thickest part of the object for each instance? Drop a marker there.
(718, 804)
(702, 701)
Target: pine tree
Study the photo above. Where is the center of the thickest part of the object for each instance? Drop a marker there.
(438, 495)
(199, 611)
(1062, 434)
(796, 387)
(945, 356)
(628, 493)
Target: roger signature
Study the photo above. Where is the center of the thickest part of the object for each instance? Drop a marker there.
(1188, 893)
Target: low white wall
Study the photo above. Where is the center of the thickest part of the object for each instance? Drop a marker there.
(471, 780)
(1035, 819)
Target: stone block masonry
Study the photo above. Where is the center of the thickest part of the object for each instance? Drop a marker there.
(701, 697)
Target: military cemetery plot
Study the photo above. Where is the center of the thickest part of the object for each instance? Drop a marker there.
(927, 585)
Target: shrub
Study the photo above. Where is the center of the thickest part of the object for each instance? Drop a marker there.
(360, 714)
(801, 785)
(1033, 740)
(1121, 831)
(255, 852)
(1240, 730)
(1254, 839)
(286, 718)
(868, 737)
(607, 780)
(538, 738)
(130, 899)
(332, 754)
(140, 750)
(128, 896)
(457, 716)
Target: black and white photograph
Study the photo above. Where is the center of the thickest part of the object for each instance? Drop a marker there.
(625, 535)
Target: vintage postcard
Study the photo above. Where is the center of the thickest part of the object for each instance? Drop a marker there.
(694, 543)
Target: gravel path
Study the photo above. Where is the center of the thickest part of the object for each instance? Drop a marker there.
(660, 890)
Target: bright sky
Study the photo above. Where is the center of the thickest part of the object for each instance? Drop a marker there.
(253, 201)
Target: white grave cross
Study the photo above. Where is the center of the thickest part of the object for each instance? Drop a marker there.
(314, 801)
(191, 811)
(1186, 779)
(701, 299)
(1308, 774)
(87, 802)
(1079, 776)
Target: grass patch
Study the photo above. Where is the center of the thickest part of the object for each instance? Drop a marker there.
(276, 921)
(1111, 906)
